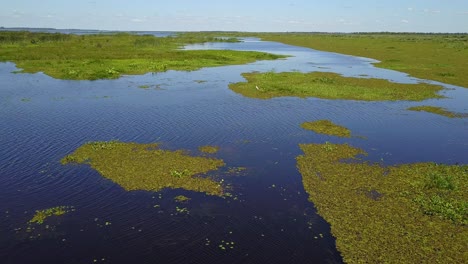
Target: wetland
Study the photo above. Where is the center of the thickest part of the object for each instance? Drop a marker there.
(232, 147)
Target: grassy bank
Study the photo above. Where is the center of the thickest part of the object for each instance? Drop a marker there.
(437, 57)
(146, 167)
(330, 86)
(436, 110)
(411, 213)
(327, 127)
(90, 57)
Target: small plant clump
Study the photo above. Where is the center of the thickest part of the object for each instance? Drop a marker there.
(327, 127)
(436, 110)
(409, 213)
(330, 86)
(181, 198)
(146, 167)
(209, 149)
(41, 215)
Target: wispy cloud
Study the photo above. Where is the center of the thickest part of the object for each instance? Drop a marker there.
(410, 9)
(136, 20)
(431, 11)
(404, 21)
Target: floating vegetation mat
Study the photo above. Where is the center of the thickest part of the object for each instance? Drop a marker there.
(109, 56)
(327, 127)
(209, 149)
(41, 215)
(410, 213)
(437, 110)
(146, 167)
(440, 57)
(330, 86)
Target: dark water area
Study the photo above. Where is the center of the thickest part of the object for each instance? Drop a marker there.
(269, 218)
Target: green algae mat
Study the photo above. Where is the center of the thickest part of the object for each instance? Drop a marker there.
(147, 167)
(330, 86)
(409, 213)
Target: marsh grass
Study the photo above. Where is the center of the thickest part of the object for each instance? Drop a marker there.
(146, 167)
(436, 110)
(409, 213)
(91, 57)
(41, 215)
(330, 86)
(327, 127)
(440, 57)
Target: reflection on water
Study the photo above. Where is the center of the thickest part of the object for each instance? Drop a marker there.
(268, 218)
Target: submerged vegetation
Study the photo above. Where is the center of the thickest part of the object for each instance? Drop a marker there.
(440, 57)
(327, 127)
(330, 86)
(109, 56)
(146, 167)
(410, 213)
(41, 215)
(436, 110)
(209, 149)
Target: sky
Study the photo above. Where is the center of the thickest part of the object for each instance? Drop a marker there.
(240, 15)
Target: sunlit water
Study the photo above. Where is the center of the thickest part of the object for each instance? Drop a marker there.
(271, 219)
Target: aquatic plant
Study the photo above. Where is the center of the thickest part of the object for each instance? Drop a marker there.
(181, 199)
(68, 56)
(330, 86)
(436, 110)
(409, 213)
(208, 149)
(41, 215)
(146, 167)
(327, 127)
(440, 57)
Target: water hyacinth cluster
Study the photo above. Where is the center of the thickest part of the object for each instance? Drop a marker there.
(146, 167)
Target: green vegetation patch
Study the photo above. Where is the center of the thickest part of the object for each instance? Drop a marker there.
(41, 215)
(327, 127)
(181, 199)
(436, 110)
(330, 86)
(109, 56)
(209, 149)
(146, 167)
(411, 213)
(440, 57)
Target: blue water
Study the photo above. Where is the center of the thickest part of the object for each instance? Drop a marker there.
(44, 119)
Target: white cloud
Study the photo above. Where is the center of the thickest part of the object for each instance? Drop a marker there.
(136, 20)
(404, 21)
(410, 9)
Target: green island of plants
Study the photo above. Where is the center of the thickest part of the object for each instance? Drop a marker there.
(209, 149)
(436, 110)
(327, 127)
(181, 199)
(109, 56)
(146, 167)
(330, 86)
(439, 57)
(41, 215)
(409, 213)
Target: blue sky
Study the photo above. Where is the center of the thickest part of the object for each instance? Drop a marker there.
(240, 15)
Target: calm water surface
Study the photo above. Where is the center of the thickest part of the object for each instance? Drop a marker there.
(270, 221)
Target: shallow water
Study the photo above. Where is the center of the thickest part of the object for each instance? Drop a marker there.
(271, 220)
